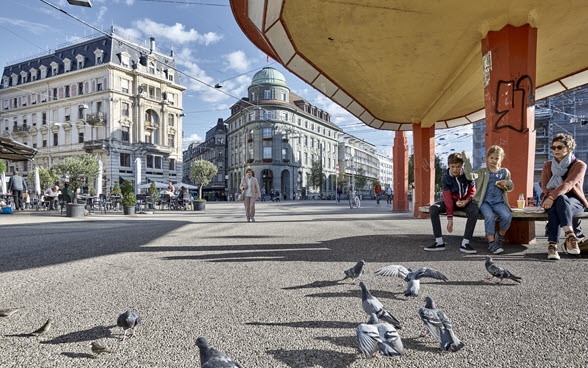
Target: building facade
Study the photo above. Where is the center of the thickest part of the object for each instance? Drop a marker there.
(279, 135)
(105, 95)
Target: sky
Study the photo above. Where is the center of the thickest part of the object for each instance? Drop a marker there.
(209, 48)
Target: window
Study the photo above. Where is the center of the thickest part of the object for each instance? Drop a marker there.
(80, 59)
(125, 109)
(55, 93)
(54, 68)
(172, 164)
(125, 159)
(23, 77)
(80, 112)
(44, 143)
(267, 132)
(154, 162)
(124, 59)
(43, 69)
(67, 118)
(170, 120)
(98, 86)
(55, 140)
(44, 118)
(80, 88)
(125, 134)
(66, 65)
(151, 67)
(81, 137)
(124, 86)
(66, 91)
(267, 94)
(267, 152)
(170, 140)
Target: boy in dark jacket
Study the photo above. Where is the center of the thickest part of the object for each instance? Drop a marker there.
(458, 193)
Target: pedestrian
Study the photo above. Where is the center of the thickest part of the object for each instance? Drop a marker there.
(339, 192)
(250, 188)
(458, 192)
(26, 199)
(562, 183)
(17, 185)
(263, 194)
(378, 191)
(272, 194)
(492, 183)
(388, 195)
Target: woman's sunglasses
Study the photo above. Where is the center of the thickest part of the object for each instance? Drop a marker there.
(560, 147)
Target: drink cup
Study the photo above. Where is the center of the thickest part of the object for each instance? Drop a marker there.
(521, 203)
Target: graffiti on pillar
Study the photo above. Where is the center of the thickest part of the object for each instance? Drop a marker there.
(512, 99)
(426, 165)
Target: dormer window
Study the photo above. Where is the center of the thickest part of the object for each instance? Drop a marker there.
(14, 79)
(99, 54)
(54, 68)
(33, 72)
(23, 77)
(125, 59)
(43, 70)
(80, 60)
(66, 65)
(5, 81)
(170, 75)
(151, 67)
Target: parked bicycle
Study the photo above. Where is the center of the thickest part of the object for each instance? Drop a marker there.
(354, 200)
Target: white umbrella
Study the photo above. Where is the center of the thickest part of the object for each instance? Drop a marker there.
(187, 186)
(138, 175)
(4, 183)
(99, 179)
(158, 185)
(37, 181)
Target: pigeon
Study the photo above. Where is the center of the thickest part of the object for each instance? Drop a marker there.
(372, 305)
(411, 277)
(499, 272)
(43, 329)
(7, 312)
(374, 335)
(212, 358)
(354, 272)
(439, 326)
(98, 348)
(128, 321)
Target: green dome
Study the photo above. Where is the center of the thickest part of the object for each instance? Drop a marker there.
(269, 75)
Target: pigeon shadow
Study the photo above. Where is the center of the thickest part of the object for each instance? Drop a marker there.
(356, 293)
(315, 284)
(70, 354)
(424, 343)
(84, 335)
(313, 358)
(21, 335)
(307, 324)
(542, 256)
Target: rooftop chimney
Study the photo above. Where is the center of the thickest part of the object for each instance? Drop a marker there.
(152, 46)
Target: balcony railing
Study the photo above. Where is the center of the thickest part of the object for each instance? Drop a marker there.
(94, 145)
(98, 118)
(21, 128)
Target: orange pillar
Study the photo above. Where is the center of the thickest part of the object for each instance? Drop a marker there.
(424, 168)
(400, 166)
(509, 57)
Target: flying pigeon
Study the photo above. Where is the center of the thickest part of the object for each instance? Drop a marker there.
(372, 305)
(355, 272)
(411, 277)
(128, 321)
(98, 348)
(7, 312)
(499, 272)
(43, 329)
(439, 326)
(374, 335)
(212, 358)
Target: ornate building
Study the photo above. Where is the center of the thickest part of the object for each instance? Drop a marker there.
(279, 135)
(105, 95)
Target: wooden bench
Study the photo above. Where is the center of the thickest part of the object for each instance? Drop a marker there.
(517, 215)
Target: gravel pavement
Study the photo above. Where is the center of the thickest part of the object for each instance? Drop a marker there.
(268, 293)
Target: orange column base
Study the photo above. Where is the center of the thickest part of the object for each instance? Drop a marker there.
(521, 232)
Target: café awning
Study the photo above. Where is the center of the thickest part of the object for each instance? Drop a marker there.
(15, 151)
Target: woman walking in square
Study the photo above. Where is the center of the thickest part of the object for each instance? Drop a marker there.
(251, 191)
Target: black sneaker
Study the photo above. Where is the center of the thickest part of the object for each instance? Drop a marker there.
(467, 249)
(495, 248)
(435, 247)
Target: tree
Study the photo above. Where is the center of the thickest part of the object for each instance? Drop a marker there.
(201, 172)
(153, 192)
(360, 179)
(316, 177)
(78, 169)
(342, 180)
(129, 198)
(2, 166)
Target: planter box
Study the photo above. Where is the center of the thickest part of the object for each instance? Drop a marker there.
(128, 210)
(74, 210)
(199, 205)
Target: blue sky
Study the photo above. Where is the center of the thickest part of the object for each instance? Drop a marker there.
(207, 42)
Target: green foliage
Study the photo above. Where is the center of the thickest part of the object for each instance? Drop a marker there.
(360, 179)
(342, 181)
(2, 167)
(92, 191)
(316, 177)
(439, 168)
(154, 192)
(116, 189)
(201, 172)
(76, 168)
(48, 177)
(128, 194)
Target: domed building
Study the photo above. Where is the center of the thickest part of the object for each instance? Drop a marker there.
(279, 135)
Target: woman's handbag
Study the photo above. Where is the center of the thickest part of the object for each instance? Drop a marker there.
(241, 197)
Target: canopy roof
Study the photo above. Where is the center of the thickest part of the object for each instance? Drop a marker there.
(14, 151)
(395, 63)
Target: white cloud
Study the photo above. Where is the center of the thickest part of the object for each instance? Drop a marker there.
(175, 33)
(190, 139)
(102, 10)
(132, 32)
(31, 27)
(238, 61)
